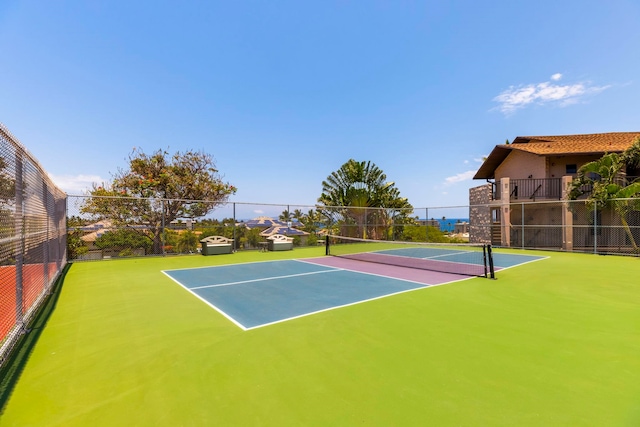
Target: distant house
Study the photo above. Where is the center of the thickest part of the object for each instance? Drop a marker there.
(461, 227)
(263, 222)
(179, 224)
(270, 226)
(287, 231)
(536, 170)
(429, 223)
(95, 231)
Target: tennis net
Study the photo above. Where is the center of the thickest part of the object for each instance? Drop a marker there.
(458, 258)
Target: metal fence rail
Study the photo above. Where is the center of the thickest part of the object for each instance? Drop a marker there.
(32, 238)
(551, 225)
(576, 226)
(92, 237)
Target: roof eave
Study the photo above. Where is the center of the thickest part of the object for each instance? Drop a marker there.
(488, 168)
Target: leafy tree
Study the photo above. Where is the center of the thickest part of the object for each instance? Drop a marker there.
(603, 181)
(122, 238)
(7, 199)
(312, 240)
(297, 214)
(187, 242)
(7, 184)
(357, 187)
(310, 221)
(253, 237)
(170, 241)
(421, 233)
(75, 245)
(225, 228)
(158, 188)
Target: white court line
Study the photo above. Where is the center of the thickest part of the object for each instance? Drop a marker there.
(424, 285)
(330, 270)
(207, 302)
(452, 254)
(263, 279)
(522, 263)
(227, 265)
(428, 258)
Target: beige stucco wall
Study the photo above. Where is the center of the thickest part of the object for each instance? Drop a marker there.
(521, 165)
(558, 164)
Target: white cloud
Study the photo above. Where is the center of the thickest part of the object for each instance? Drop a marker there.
(78, 184)
(517, 97)
(464, 176)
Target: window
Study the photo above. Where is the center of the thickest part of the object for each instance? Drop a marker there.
(571, 169)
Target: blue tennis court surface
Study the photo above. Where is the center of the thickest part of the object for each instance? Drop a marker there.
(502, 260)
(257, 294)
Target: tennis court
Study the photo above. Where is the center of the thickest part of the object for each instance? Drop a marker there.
(552, 341)
(253, 295)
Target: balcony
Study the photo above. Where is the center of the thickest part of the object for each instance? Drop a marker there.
(532, 189)
(547, 188)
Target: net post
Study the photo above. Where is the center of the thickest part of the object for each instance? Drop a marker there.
(484, 259)
(326, 244)
(492, 273)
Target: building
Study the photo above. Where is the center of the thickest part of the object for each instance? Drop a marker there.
(524, 201)
(270, 227)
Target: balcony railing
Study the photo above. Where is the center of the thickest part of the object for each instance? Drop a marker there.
(532, 189)
(546, 188)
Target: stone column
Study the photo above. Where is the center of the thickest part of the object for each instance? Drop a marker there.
(567, 215)
(505, 213)
(479, 214)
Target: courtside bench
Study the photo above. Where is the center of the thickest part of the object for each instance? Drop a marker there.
(216, 245)
(279, 242)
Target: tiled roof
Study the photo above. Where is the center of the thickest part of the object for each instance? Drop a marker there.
(559, 145)
(575, 144)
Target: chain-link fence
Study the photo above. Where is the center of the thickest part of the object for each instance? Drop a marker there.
(147, 229)
(554, 225)
(612, 227)
(32, 238)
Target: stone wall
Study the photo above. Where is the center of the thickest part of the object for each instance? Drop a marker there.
(480, 214)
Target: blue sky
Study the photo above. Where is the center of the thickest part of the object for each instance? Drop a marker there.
(283, 93)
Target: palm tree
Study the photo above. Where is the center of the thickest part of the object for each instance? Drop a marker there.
(357, 187)
(310, 220)
(285, 216)
(297, 214)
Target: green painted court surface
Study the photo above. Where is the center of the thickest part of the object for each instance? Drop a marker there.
(550, 343)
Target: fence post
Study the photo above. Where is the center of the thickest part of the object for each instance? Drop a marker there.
(162, 234)
(522, 226)
(505, 214)
(20, 233)
(595, 229)
(567, 215)
(45, 246)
